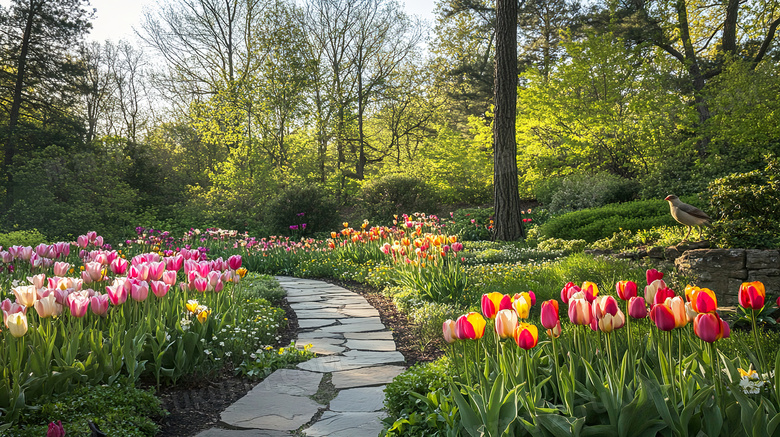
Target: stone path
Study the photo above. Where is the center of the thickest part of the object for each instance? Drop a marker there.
(356, 358)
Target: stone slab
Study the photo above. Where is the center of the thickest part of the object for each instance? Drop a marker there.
(221, 432)
(352, 327)
(274, 411)
(359, 312)
(350, 360)
(324, 313)
(314, 323)
(323, 348)
(366, 376)
(290, 382)
(302, 306)
(361, 399)
(333, 424)
(371, 345)
(376, 335)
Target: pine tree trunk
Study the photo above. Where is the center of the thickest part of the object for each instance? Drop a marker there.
(508, 225)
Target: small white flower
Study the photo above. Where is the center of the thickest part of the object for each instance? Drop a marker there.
(207, 352)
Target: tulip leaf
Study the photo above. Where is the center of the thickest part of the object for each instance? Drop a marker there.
(669, 417)
(555, 423)
(773, 427)
(468, 417)
(777, 378)
(693, 404)
(598, 431)
(639, 417)
(711, 419)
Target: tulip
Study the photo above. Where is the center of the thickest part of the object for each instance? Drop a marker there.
(568, 289)
(99, 304)
(17, 324)
(156, 270)
(61, 268)
(139, 291)
(662, 294)
(710, 327)
(752, 295)
(506, 322)
(55, 430)
(637, 308)
(82, 241)
(670, 313)
(703, 300)
(78, 303)
(159, 288)
(652, 289)
(47, 306)
(117, 293)
(95, 271)
(192, 306)
(608, 322)
(591, 290)
(119, 266)
(457, 247)
(579, 312)
(470, 326)
(448, 329)
(9, 308)
(200, 284)
(494, 302)
(26, 295)
(626, 289)
(549, 314)
(169, 277)
(526, 336)
(39, 280)
(234, 262)
(203, 315)
(604, 305)
(522, 305)
(653, 275)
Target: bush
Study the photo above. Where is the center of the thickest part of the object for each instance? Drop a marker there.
(745, 206)
(301, 209)
(471, 224)
(22, 238)
(584, 190)
(420, 378)
(597, 223)
(566, 246)
(389, 195)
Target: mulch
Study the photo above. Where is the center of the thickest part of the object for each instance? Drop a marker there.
(195, 404)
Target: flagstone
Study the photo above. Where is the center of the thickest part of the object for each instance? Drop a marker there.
(366, 376)
(334, 424)
(371, 345)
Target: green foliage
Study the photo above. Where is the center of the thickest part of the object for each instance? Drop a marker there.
(493, 252)
(428, 318)
(471, 224)
(597, 223)
(558, 244)
(421, 379)
(117, 409)
(584, 190)
(305, 206)
(746, 205)
(264, 362)
(265, 287)
(394, 194)
(22, 238)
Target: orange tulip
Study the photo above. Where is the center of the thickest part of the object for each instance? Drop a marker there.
(526, 336)
(703, 300)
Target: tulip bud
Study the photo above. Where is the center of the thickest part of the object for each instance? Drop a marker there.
(626, 289)
(506, 322)
(549, 314)
(526, 336)
(637, 308)
(448, 329)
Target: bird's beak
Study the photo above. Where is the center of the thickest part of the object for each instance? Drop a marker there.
(667, 197)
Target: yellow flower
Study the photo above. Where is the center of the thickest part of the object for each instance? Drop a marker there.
(203, 316)
(241, 272)
(750, 373)
(192, 306)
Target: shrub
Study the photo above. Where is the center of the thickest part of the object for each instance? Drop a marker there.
(746, 205)
(557, 244)
(429, 317)
(22, 238)
(386, 196)
(422, 379)
(471, 224)
(585, 190)
(301, 209)
(597, 223)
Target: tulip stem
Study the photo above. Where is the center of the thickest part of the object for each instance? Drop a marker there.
(557, 371)
(532, 404)
(672, 384)
(758, 344)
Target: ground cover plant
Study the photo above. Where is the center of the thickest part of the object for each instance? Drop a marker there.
(168, 312)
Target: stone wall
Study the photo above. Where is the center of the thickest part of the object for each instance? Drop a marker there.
(724, 270)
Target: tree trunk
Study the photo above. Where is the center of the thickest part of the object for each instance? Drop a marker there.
(16, 105)
(508, 225)
(361, 164)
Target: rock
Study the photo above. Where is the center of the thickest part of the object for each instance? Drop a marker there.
(366, 376)
(672, 253)
(656, 252)
(762, 259)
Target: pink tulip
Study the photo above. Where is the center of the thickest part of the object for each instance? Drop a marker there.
(39, 280)
(580, 312)
(710, 327)
(169, 277)
(568, 290)
(174, 262)
(200, 284)
(6, 257)
(156, 270)
(55, 430)
(140, 272)
(159, 288)
(117, 293)
(91, 236)
(457, 246)
(119, 266)
(78, 303)
(9, 308)
(99, 304)
(448, 329)
(61, 268)
(637, 308)
(95, 271)
(99, 241)
(139, 291)
(234, 262)
(82, 241)
(604, 305)
(61, 295)
(549, 314)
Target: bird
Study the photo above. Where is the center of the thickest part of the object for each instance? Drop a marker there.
(687, 215)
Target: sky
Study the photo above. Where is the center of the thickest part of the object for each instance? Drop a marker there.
(115, 18)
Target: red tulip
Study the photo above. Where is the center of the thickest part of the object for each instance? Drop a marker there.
(494, 302)
(568, 290)
(234, 262)
(663, 317)
(604, 305)
(710, 327)
(526, 336)
(470, 326)
(752, 295)
(662, 294)
(626, 289)
(549, 314)
(653, 275)
(637, 308)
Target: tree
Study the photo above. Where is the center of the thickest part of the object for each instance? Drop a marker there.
(39, 68)
(508, 222)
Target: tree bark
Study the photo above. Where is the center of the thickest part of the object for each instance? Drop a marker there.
(508, 225)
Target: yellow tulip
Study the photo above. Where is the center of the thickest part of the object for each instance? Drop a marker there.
(17, 324)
